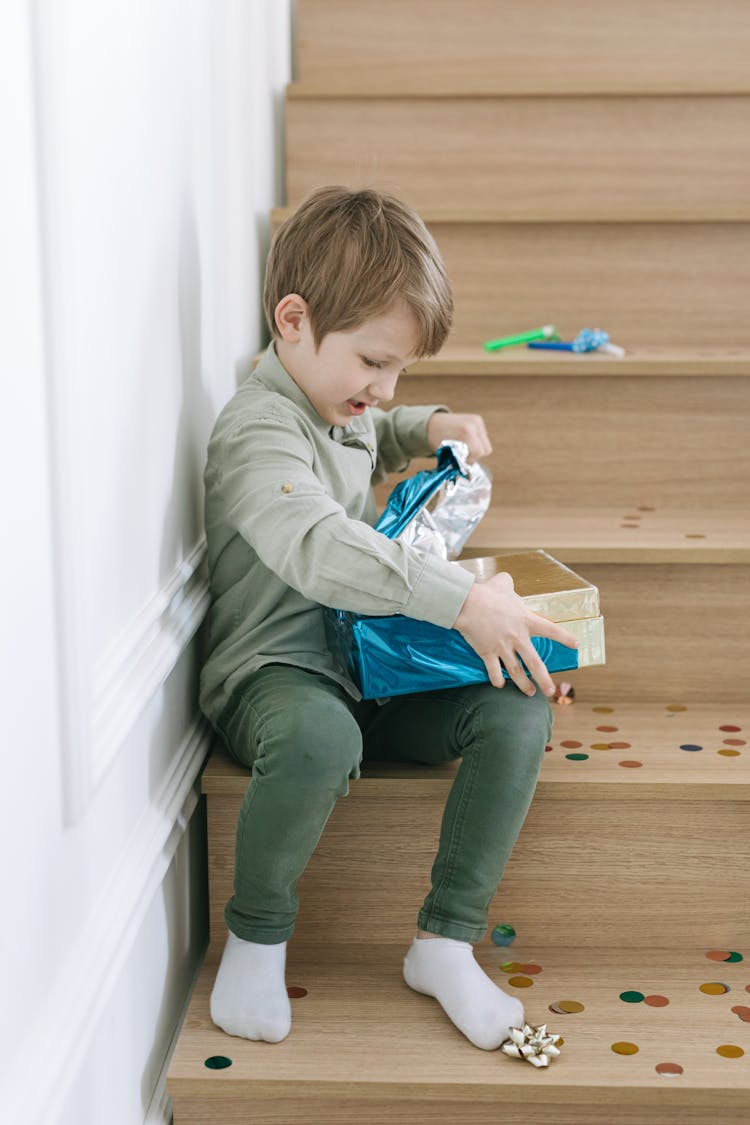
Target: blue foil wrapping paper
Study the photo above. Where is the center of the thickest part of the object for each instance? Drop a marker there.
(398, 655)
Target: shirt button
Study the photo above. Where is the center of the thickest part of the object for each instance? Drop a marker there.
(287, 486)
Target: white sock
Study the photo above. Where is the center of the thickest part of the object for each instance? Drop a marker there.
(446, 969)
(249, 996)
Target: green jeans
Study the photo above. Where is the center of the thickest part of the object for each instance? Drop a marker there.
(304, 737)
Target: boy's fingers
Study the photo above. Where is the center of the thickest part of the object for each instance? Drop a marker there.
(495, 672)
(517, 674)
(543, 627)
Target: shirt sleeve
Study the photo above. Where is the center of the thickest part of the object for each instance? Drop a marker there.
(401, 434)
(273, 499)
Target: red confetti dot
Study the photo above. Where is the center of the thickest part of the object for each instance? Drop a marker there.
(670, 1069)
(294, 992)
(608, 730)
(619, 745)
(730, 729)
(656, 1001)
(630, 765)
(734, 742)
(531, 970)
(743, 1012)
(718, 954)
(571, 745)
(548, 748)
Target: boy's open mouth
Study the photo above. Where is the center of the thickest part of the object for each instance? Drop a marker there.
(354, 406)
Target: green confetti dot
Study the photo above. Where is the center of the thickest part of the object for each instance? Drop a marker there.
(503, 934)
(577, 757)
(734, 957)
(218, 1062)
(632, 997)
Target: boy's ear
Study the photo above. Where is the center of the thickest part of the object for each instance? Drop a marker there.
(289, 315)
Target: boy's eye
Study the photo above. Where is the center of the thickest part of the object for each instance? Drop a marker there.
(371, 362)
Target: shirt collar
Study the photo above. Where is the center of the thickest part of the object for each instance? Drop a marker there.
(273, 375)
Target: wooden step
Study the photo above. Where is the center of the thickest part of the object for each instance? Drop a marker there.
(669, 289)
(593, 824)
(645, 284)
(364, 1047)
(374, 47)
(604, 440)
(559, 154)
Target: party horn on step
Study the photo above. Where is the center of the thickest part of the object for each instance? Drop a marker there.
(546, 332)
(586, 341)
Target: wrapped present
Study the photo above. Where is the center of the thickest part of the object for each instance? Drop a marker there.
(436, 511)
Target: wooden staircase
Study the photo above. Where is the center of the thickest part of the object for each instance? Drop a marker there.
(585, 164)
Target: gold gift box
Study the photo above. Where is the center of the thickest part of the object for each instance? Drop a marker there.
(554, 591)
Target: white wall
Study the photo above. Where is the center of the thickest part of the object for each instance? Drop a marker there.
(141, 149)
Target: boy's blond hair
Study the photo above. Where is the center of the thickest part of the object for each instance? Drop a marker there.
(350, 255)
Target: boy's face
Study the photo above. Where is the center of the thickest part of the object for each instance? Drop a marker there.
(350, 370)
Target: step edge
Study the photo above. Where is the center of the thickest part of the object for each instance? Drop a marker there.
(587, 216)
(361, 91)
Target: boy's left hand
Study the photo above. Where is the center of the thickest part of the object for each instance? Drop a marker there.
(460, 427)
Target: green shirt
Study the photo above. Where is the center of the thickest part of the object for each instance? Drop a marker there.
(289, 515)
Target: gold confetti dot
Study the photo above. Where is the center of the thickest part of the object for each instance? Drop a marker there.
(570, 1006)
(603, 710)
(520, 982)
(600, 746)
(511, 967)
(729, 753)
(625, 1048)
(729, 1051)
(676, 707)
(714, 988)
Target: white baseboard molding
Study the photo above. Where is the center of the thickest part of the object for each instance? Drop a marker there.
(138, 662)
(65, 1027)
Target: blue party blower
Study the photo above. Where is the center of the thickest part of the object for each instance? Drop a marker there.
(436, 511)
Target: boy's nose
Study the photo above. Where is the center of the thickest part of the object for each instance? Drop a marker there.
(384, 389)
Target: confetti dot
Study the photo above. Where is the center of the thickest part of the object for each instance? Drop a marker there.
(669, 1070)
(631, 997)
(735, 958)
(511, 967)
(548, 748)
(603, 710)
(629, 525)
(503, 934)
(217, 1062)
(631, 765)
(730, 729)
(520, 982)
(714, 988)
(729, 753)
(567, 1007)
(625, 1048)
(294, 992)
(632, 517)
(734, 742)
(694, 536)
(690, 746)
(743, 1012)
(600, 746)
(531, 970)
(656, 1001)
(718, 955)
(570, 744)
(643, 508)
(729, 1051)
(607, 730)
(619, 745)
(676, 707)
(577, 757)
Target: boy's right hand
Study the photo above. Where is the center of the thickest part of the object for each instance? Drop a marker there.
(494, 620)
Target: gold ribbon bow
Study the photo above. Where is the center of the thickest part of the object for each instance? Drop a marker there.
(532, 1044)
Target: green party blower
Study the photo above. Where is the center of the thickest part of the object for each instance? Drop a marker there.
(546, 332)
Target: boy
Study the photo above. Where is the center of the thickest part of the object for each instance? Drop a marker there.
(355, 291)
